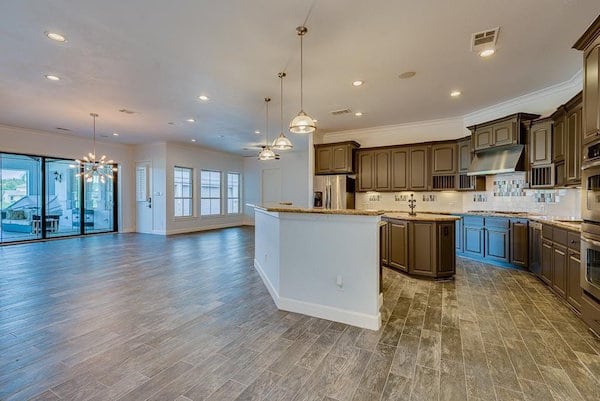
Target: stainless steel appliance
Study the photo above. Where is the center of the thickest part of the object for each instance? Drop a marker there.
(590, 259)
(337, 191)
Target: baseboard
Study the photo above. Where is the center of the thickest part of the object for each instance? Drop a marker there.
(272, 290)
(316, 310)
(202, 228)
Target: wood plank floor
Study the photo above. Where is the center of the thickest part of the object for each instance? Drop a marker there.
(139, 317)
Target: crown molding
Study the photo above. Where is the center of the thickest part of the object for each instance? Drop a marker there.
(382, 129)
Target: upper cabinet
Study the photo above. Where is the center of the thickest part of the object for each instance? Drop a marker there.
(540, 142)
(566, 142)
(443, 158)
(400, 168)
(366, 170)
(465, 156)
(335, 158)
(419, 175)
(382, 170)
(503, 131)
(589, 43)
(558, 135)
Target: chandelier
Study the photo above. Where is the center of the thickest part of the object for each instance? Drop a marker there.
(282, 142)
(267, 153)
(101, 167)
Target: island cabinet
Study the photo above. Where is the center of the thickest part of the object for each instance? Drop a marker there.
(503, 131)
(589, 43)
(420, 247)
(561, 263)
(335, 158)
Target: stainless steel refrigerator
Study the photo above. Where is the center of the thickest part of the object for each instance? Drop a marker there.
(334, 191)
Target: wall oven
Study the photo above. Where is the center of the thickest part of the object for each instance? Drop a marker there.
(590, 180)
(590, 259)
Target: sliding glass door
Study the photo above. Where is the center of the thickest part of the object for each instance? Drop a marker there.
(20, 198)
(42, 197)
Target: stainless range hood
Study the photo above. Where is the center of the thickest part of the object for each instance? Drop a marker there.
(497, 161)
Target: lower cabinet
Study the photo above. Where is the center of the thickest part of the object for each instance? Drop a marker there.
(546, 261)
(384, 243)
(519, 242)
(473, 236)
(458, 226)
(559, 269)
(535, 249)
(421, 248)
(497, 241)
(574, 291)
(398, 249)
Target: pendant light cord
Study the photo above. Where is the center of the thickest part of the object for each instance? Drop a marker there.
(267, 100)
(301, 75)
(94, 116)
(281, 75)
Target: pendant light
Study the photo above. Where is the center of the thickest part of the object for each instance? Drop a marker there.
(266, 153)
(302, 123)
(282, 142)
(101, 167)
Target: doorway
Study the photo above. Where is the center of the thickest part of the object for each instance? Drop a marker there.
(143, 198)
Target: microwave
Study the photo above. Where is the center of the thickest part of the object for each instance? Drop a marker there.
(590, 183)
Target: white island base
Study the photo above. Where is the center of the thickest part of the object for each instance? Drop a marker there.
(321, 264)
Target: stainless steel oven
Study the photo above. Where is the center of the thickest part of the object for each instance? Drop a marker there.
(590, 180)
(590, 259)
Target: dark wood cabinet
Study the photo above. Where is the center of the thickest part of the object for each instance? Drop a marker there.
(399, 170)
(465, 156)
(573, 145)
(422, 255)
(546, 261)
(458, 226)
(574, 292)
(505, 133)
(446, 252)
(519, 242)
(591, 90)
(540, 142)
(398, 248)
(535, 245)
(419, 174)
(482, 138)
(559, 272)
(366, 170)
(443, 159)
(501, 132)
(384, 243)
(335, 158)
(497, 239)
(558, 136)
(382, 165)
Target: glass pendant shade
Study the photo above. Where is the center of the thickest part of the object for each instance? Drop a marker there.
(282, 143)
(266, 154)
(302, 124)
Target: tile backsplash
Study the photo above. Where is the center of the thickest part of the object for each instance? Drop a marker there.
(506, 192)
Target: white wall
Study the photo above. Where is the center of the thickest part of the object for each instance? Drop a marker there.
(199, 159)
(296, 180)
(42, 143)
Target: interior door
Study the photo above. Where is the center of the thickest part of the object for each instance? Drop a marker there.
(143, 197)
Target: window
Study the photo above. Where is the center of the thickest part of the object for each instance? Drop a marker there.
(210, 193)
(183, 192)
(233, 193)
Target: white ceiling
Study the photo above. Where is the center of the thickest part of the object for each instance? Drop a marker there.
(155, 57)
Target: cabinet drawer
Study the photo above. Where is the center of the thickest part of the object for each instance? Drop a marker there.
(559, 236)
(574, 241)
(499, 222)
(547, 232)
(473, 221)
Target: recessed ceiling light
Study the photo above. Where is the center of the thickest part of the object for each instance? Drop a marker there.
(191, 120)
(193, 140)
(204, 98)
(487, 53)
(455, 93)
(407, 74)
(358, 114)
(56, 36)
(358, 83)
(115, 134)
(257, 132)
(52, 77)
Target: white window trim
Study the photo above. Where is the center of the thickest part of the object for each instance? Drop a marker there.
(240, 208)
(221, 213)
(193, 215)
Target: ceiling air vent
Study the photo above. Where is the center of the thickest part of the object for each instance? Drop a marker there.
(127, 111)
(341, 111)
(63, 129)
(484, 40)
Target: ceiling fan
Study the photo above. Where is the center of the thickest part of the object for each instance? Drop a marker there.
(259, 148)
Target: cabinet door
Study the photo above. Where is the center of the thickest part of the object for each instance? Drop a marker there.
(591, 94)
(459, 235)
(398, 244)
(323, 160)
(573, 144)
(574, 292)
(473, 241)
(384, 244)
(504, 133)
(497, 244)
(422, 252)
(519, 244)
(446, 252)
(558, 139)
(399, 170)
(465, 155)
(546, 262)
(365, 171)
(418, 168)
(535, 243)
(482, 138)
(382, 170)
(443, 159)
(540, 149)
(341, 159)
(559, 267)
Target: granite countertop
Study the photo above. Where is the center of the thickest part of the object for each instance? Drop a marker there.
(293, 209)
(560, 222)
(420, 216)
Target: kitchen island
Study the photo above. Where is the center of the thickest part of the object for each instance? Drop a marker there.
(326, 263)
